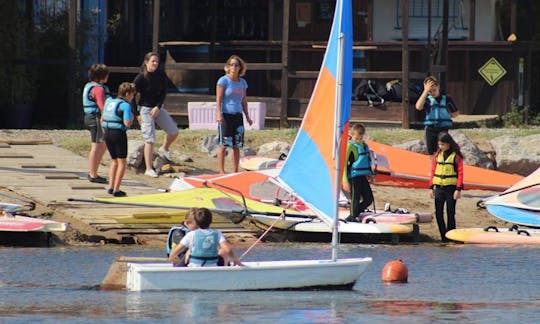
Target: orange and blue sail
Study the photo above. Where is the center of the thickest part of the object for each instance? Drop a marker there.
(312, 169)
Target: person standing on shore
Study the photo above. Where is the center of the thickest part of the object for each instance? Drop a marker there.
(151, 85)
(95, 92)
(446, 182)
(231, 101)
(359, 169)
(439, 109)
(116, 120)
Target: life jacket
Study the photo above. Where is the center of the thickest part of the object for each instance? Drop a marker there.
(205, 247)
(445, 171)
(438, 115)
(362, 160)
(89, 103)
(175, 235)
(112, 115)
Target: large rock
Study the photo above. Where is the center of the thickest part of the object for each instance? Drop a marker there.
(276, 147)
(135, 156)
(519, 155)
(471, 153)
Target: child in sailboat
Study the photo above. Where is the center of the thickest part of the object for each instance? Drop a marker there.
(176, 233)
(204, 244)
(446, 181)
(359, 169)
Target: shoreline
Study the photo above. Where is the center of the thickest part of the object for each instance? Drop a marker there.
(414, 200)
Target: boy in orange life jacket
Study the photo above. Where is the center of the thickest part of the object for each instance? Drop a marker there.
(359, 169)
(446, 181)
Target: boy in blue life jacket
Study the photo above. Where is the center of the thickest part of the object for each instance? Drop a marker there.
(204, 244)
(439, 110)
(176, 233)
(359, 169)
(116, 119)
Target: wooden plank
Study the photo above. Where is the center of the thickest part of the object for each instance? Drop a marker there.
(87, 187)
(4, 145)
(16, 156)
(38, 166)
(27, 141)
(62, 176)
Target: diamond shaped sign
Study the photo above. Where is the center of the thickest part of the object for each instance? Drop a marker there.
(492, 71)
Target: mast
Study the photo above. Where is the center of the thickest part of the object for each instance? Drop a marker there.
(338, 131)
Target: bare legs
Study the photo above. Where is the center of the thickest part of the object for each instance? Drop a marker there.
(94, 157)
(149, 156)
(116, 173)
(221, 159)
(169, 139)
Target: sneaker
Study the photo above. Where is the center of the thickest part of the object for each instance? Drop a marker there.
(351, 219)
(151, 173)
(96, 179)
(110, 191)
(166, 154)
(119, 193)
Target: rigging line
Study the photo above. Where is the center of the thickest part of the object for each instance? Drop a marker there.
(282, 216)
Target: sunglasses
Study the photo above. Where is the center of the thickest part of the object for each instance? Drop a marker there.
(234, 64)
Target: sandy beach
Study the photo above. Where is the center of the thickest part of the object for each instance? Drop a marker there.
(414, 200)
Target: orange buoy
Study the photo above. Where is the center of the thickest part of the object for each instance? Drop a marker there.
(395, 271)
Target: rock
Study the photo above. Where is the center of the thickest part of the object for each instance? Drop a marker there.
(471, 153)
(276, 146)
(417, 146)
(135, 156)
(519, 155)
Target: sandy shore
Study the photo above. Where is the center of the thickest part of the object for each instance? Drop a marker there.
(414, 200)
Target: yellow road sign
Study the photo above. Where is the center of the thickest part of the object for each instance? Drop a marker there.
(492, 71)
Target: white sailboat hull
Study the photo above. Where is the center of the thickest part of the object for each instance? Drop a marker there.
(267, 275)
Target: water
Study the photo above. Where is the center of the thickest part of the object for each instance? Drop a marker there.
(453, 283)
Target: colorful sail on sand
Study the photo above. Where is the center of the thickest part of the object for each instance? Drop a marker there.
(520, 204)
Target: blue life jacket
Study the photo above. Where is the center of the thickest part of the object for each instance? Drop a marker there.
(113, 115)
(362, 160)
(175, 235)
(438, 115)
(89, 103)
(205, 247)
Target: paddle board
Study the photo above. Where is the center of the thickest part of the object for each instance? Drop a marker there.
(255, 162)
(19, 224)
(515, 215)
(314, 225)
(494, 235)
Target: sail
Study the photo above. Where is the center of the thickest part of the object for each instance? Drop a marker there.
(312, 170)
(525, 194)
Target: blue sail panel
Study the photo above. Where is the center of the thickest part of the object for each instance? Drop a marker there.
(311, 168)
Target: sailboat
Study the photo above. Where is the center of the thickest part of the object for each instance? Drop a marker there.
(320, 146)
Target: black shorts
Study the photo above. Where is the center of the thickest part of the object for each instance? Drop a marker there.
(231, 130)
(96, 131)
(117, 143)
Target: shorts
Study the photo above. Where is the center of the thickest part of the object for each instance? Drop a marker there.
(231, 131)
(148, 124)
(117, 143)
(94, 126)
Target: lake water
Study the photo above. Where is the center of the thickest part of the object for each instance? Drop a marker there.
(452, 283)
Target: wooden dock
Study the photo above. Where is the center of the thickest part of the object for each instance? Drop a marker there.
(49, 175)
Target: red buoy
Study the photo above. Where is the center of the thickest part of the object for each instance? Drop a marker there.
(395, 271)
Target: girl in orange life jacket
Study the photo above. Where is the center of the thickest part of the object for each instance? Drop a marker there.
(446, 181)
